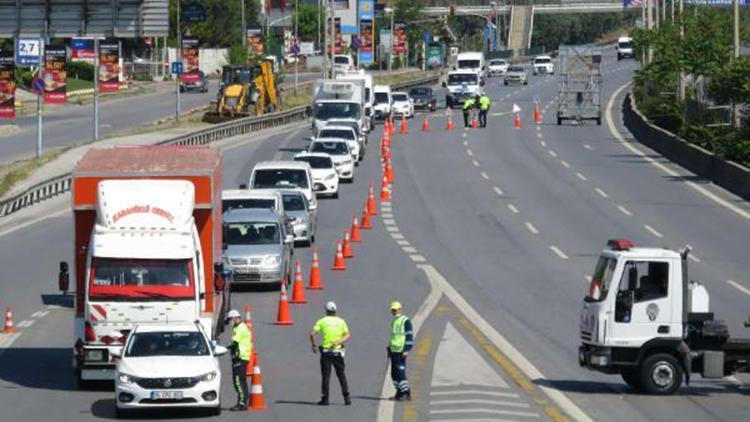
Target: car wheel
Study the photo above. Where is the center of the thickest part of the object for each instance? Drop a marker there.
(661, 374)
(122, 413)
(505, 82)
(525, 82)
(559, 121)
(335, 195)
(216, 411)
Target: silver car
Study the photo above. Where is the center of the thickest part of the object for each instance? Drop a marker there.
(516, 74)
(257, 246)
(304, 218)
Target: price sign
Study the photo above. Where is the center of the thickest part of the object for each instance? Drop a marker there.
(28, 51)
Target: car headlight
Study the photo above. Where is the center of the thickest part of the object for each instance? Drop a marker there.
(208, 377)
(331, 176)
(127, 378)
(272, 261)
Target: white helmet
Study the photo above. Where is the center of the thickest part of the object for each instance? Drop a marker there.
(233, 314)
(331, 306)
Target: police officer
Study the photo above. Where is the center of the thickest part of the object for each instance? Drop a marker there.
(242, 350)
(469, 104)
(484, 106)
(399, 345)
(335, 333)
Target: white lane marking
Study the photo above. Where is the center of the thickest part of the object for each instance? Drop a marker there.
(26, 323)
(558, 252)
(581, 176)
(624, 210)
(565, 164)
(460, 390)
(477, 402)
(539, 135)
(463, 135)
(387, 215)
(7, 340)
(33, 222)
(475, 162)
(403, 242)
(513, 208)
(391, 228)
(653, 231)
(417, 258)
(36, 314)
(485, 176)
(470, 153)
(54, 307)
(693, 257)
(544, 144)
(531, 228)
(389, 222)
(497, 190)
(482, 410)
(397, 236)
(466, 144)
(538, 128)
(588, 147)
(439, 283)
(700, 189)
(739, 287)
(587, 279)
(409, 249)
(552, 153)
(602, 193)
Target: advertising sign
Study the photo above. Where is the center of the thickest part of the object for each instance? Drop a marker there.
(190, 59)
(399, 38)
(307, 48)
(7, 87)
(55, 75)
(385, 41)
(366, 31)
(193, 13)
(28, 51)
(434, 56)
(254, 40)
(82, 48)
(109, 66)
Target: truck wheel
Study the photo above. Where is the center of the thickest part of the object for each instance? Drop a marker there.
(559, 121)
(660, 374)
(632, 378)
(598, 121)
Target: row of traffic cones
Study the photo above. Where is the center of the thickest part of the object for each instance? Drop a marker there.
(284, 316)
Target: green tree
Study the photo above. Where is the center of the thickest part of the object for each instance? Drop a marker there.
(222, 27)
(731, 84)
(308, 21)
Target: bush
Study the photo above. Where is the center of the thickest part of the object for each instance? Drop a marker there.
(81, 70)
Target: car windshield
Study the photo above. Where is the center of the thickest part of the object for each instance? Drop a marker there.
(248, 203)
(497, 63)
(279, 178)
(626, 44)
(381, 97)
(602, 279)
(542, 60)
(326, 111)
(341, 60)
(331, 148)
(293, 202)
(468, 64)
(462, 78)
(515, 69)
(420, 92)
(113, 278)
(167, 343)
(251, 233)
(400, 97)
(316, 162)
(336, 133)
(347, 123)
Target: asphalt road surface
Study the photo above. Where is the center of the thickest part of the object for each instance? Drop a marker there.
(488, 241)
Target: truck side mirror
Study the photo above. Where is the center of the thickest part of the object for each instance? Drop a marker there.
(63, 278)
(632, 279)
(218, 268)
(243, 186)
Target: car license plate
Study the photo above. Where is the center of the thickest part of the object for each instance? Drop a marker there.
(246, 270)
(161, 395)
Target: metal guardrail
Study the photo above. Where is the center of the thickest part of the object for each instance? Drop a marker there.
(61, 184)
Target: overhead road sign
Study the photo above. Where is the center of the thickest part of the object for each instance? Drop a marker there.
(28, 51)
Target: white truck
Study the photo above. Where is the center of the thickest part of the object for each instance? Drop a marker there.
(366, 78)
(645, 320)
(624, 48)
(461, 85)
(340, 100)
(472, 61)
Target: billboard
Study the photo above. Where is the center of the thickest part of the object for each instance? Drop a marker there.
(254, 40)
(190, 59)
(434, 56)
(366, 31)
(55, 75)
(109, 66)
(7, 87)
(399, 38)
(82, 49)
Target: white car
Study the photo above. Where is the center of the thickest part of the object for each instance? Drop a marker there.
(344, 132)
(325, 176)
(283, 175)
(338, 150)
(497, 67)
(383, 101)
(403, 105)
(543, 65)
(342, 63)
(171, 365)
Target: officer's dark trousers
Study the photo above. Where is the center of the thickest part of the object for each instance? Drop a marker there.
(466, 118)
(328, 359)
(239, 379)
(483, 118)
(398, 373)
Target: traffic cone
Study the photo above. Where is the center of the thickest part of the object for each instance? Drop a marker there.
(385, 194)
(366, 220)
(537, 114)
(371, 206)
(404, 126)
(298, 288)
(356, 238)
(449, 124)
(283, 317)
(517, 121)
(257, 401)
(338, 263)
(315, 281)
(389, 171)
(474, 122)
(347, 246)
(9, 328)
(391, 126)
(248, 316)
(425, 124)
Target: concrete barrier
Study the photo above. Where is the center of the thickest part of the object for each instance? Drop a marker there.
(727, 174)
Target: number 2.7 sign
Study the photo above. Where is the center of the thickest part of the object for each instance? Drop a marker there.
(28, 51)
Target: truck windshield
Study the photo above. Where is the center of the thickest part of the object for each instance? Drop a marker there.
(279, 178)
(341, 60)
(161, 343)
(468, 64)
(462, 78)
(381, 98)
(327, 111)
(113, 278)
(248, 203)
(252, 233)
(625, 45)
(602, 279)
(542, 61)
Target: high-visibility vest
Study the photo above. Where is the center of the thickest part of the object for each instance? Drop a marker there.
(398, 334)
(484, 102)
(468, 104)
(242, 336)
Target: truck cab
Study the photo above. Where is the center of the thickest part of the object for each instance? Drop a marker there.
(366, 78)
(337, 99)
(461, 85)
(471, 61)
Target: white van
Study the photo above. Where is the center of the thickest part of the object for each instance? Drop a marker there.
(471, 60)
(369, 99)
(624, 48)
(342, 63)
(383, 101)
(284, 175)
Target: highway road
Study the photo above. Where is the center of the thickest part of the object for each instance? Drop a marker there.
(488, 242)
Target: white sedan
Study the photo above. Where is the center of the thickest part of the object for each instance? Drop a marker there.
(403, 105)
(171, 365)
(338, 150)
(325, 177)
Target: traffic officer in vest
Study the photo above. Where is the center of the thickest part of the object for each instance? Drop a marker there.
(335, 333)
(469, 104)
(484, 107)
(242, 350)
(399, 345)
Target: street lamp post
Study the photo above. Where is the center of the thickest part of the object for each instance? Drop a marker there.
(296, 45)
(390, 48)
(242, 34)
(179, 58)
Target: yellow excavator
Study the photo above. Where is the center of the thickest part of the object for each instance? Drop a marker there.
(244, 91)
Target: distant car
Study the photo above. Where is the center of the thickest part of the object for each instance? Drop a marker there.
(354, 125)
(543, 65)
(342, 63)
(402, 105)
(283, 175)
(338, 150)
(172, 365)
(325, 176)
(244, 198)
(200, 85)
(624, 48)
(497, 67)
(516, 74)
(304, 218)
(423, 97)
(347, 133)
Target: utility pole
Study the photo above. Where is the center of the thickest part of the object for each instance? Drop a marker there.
(96, 88)
(242, 34)
(296, 45)
(656, 13)
(650, 27)
(333, 36)
(390, 50)
(682, 74)
(324, 48)
(40, 97)
(179, 59)
(736, 107)
(318, 27)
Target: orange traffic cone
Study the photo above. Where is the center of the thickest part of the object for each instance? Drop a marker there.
(537, 114)
(283, 317)
(425, 125)
(404, 126)
(366, 220)
(248, 317)
(385, 194)
(517, 121)
(356, 238)
(389, 171)
(347, 246)
(338, 263)
(391, 126)
(449, 124)
(257, 401)
(315, 281)
(298, 288)
(9, 328)
(474, 122)
(371, 206)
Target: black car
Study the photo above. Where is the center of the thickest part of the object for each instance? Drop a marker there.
(201, 85)
(423, 97)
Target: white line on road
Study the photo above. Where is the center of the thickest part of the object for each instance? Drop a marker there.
(485, 176)
(477, 402)
(693, 257)
(391, 229)
(602, 193)
(531, 228)
(26, 323)
(558, 252)
(513, 208)
(581, 176)
(497, 190)
(470, 153)
(538, 128)
(461, 390)
(387, 215)
(483, 410)
(539, 135)
(403, 242)
(588, 147)
(36, 314)
(565, 164)
(409, 249)
(465, 143)
(417, 258)
(463, 135)
(552, 153)
(34, 221)
(389, 222)
(652, 231)
(544, 144)
(475, 162)
(587, 279)
(397, 236)
(739, 287)
(624, 210)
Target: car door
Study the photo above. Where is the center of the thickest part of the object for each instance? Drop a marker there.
(312, 215)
